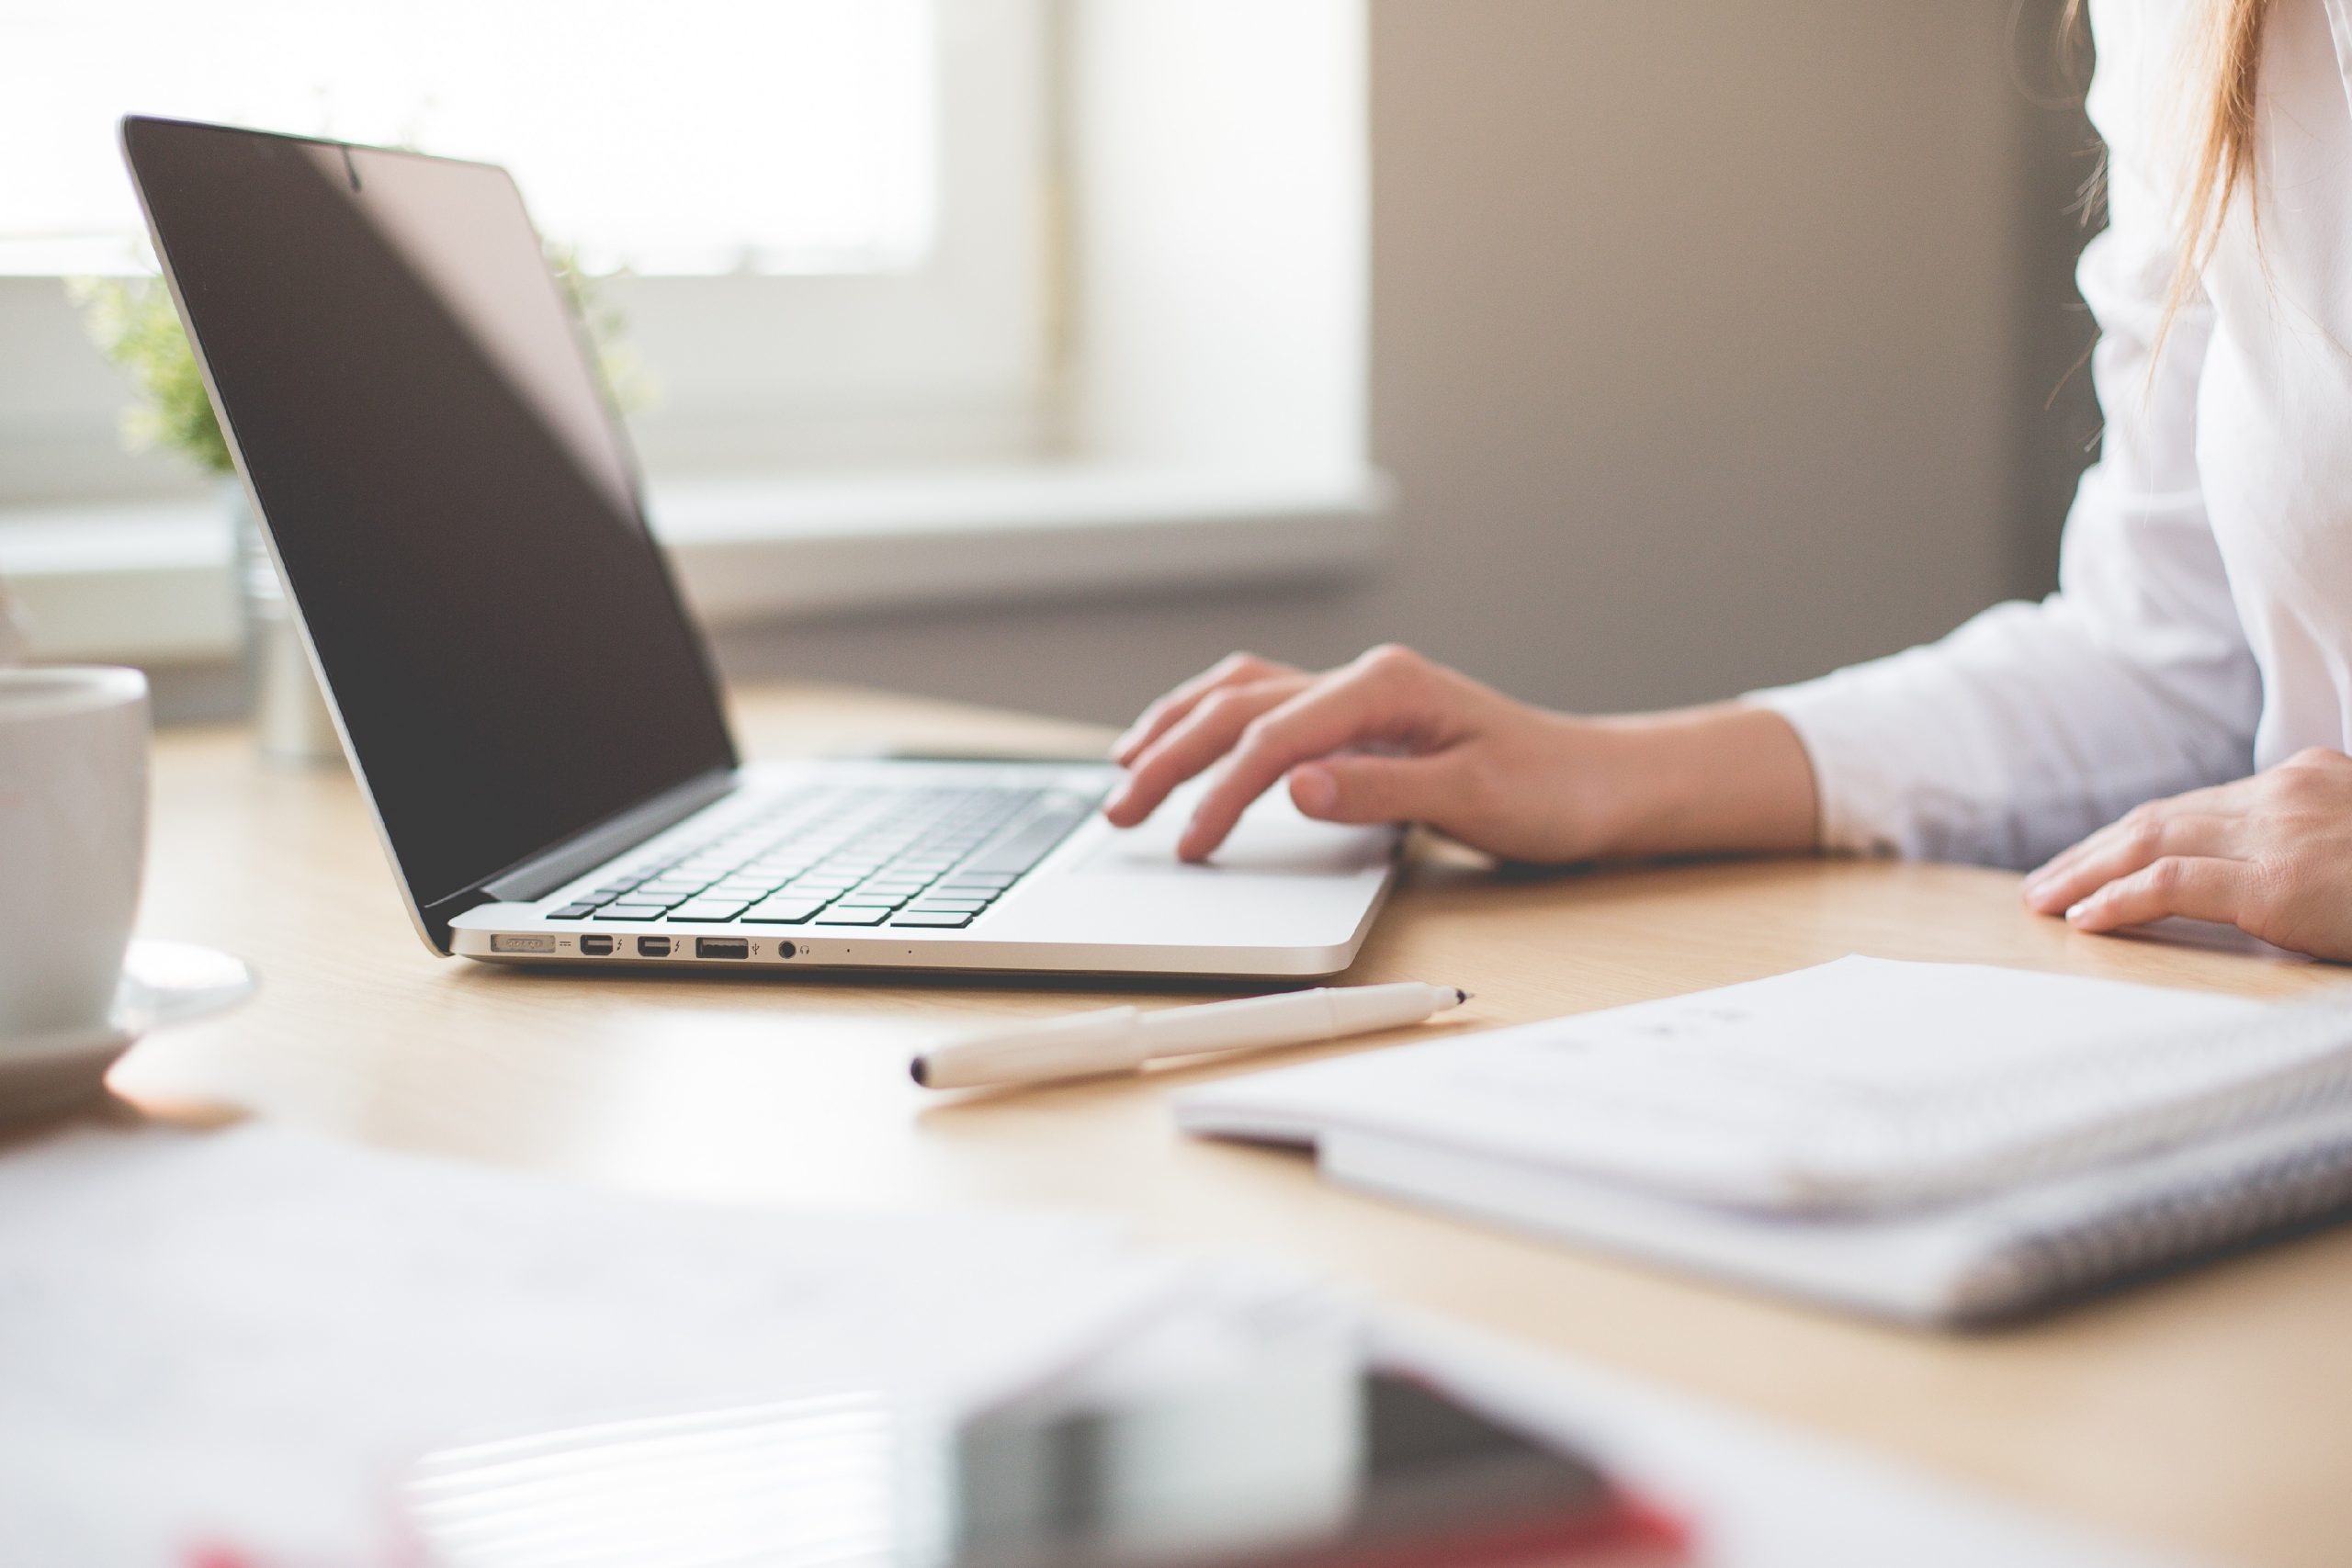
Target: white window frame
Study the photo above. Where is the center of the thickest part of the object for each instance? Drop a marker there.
(945, 362)
(1157, 378)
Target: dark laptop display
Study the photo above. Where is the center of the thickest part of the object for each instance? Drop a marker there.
(449, 496)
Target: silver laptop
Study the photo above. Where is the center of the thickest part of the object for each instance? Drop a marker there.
(522, 695)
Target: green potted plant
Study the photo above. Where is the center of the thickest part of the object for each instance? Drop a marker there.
(135, 325)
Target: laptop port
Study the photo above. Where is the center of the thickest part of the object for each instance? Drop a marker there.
(653, 947)
(722, 947)
(522, 943)
(596, 946)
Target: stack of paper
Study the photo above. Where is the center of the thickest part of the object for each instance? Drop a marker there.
(1945, 1143)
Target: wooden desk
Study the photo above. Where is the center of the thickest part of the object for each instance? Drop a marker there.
(2208, 1412)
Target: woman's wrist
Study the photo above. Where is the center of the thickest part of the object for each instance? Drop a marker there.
(1728, 778)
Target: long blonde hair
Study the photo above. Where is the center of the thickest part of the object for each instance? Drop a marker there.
(2223, 64)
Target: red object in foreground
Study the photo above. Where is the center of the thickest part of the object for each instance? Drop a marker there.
(1625, 1532)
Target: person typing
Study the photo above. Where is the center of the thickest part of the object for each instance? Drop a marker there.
(2164, 736)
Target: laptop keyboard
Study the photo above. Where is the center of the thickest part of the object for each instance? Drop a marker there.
(830, 855)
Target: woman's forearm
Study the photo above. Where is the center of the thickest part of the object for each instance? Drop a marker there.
(1726, 778)
(1393, 737)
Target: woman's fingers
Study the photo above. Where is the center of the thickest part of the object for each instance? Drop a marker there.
(2064, 863)
(1379, 789)
(1233, 670)
(2197, 888)
(2217, 800)
(1373, 698)
(2127, 846)
(1208, 730)
(1265, 718)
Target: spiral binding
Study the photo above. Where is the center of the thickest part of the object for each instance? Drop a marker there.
(2210, 1212)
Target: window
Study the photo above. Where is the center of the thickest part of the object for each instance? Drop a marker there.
(829, 210)
(700, 136)
(946, 299)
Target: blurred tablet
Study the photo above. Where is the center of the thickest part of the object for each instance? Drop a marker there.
(1394, 1475)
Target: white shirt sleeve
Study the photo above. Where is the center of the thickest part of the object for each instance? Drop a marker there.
(2035, 724)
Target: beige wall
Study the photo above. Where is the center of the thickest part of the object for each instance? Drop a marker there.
(1709, 349)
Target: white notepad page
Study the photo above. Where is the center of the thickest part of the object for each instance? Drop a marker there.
(1861, 1084)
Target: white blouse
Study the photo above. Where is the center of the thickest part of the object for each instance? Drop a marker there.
(2202, 627)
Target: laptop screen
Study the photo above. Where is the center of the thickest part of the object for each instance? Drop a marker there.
(454, 507)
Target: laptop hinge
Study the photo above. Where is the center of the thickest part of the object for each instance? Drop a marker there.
(542, 873)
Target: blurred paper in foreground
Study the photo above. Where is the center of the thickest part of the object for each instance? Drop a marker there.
(241, 1343)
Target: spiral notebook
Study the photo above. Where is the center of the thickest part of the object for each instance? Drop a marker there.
(1944, 1144)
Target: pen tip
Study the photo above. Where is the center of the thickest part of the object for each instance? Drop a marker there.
(1460, 996)
(920, 1070)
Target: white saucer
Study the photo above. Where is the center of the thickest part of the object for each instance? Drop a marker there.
(163, 983)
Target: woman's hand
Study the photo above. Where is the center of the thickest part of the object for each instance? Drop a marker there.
(2270, 855)
(1393, 737)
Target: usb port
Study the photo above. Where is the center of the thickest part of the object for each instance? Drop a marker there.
(722, 947)
(653, 947)
(596, 946)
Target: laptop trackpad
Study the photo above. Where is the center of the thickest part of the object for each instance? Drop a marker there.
(1272, 839)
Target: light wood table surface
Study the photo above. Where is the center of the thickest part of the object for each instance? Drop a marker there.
(2210, 1412)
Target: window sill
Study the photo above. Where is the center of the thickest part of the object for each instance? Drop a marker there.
(150, 583)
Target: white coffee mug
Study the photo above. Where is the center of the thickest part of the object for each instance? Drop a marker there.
(72, 841)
